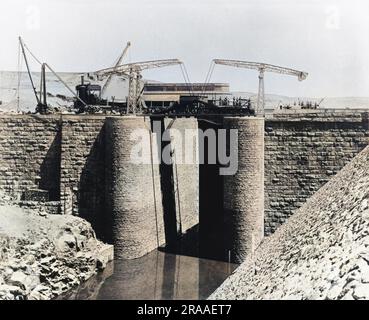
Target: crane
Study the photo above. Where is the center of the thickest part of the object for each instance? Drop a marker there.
(23, 46)
(133, 72)
(41, 100)
(120, 59)
(262, 68)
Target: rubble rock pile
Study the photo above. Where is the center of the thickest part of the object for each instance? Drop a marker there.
(322, 252)
(43, 256)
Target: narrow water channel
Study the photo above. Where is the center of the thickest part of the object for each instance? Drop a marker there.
(156, 276)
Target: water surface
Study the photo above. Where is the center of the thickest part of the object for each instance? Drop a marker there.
(156, 276)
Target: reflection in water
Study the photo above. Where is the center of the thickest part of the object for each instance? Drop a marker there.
(156, 276)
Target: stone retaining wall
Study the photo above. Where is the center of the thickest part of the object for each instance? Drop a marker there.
(82, 176)
(29, 154)
(302, 152)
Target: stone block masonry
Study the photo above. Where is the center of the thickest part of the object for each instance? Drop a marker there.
(62, 159)
(133, 195)
(244, 191)
(320, 253)
(29, 155)
(82, 169)
(65, 156)
(302, 152)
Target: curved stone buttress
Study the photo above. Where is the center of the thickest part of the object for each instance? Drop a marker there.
(244, 191)
(133, 203)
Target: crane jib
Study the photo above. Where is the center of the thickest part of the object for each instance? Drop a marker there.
(262, 68)
(265, 67)
(138, 67)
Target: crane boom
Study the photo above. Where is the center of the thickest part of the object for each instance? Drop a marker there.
(28, 70)
(124, 69)
(301, 75)
(108, 80)
(262, 68)
(133, 72)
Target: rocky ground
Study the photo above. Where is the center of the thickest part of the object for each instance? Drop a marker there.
(322, 252)
(43, 256)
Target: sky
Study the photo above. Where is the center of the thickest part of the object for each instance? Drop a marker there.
(328, 39)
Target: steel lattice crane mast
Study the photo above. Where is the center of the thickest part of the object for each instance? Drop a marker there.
(262, 68)
(133, 72)
(120, 59)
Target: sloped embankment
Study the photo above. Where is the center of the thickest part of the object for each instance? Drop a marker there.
(42, 256)
(322, 252)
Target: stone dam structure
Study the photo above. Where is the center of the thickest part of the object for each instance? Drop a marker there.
(69, 164)
(321, 253)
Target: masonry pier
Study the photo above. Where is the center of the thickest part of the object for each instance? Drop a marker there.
(134, 210)
(244, 191)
